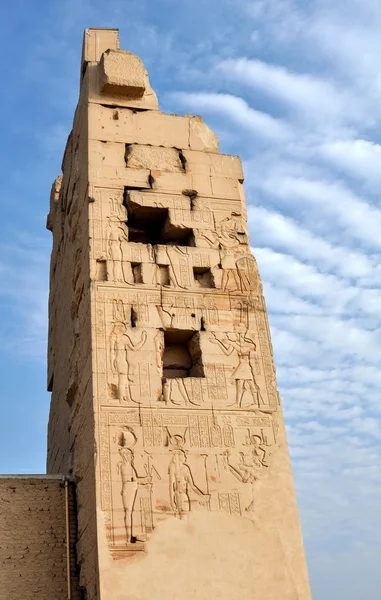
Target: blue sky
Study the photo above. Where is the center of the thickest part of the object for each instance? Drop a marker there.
(294, 87)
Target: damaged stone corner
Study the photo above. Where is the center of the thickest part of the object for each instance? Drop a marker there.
(122, 74)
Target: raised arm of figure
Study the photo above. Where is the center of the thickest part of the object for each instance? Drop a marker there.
(130, 344)
(225, 349)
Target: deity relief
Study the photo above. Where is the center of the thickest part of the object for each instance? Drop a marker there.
(120, 346)
(248, 274)
(251, 466)
(170, 462)
(231, 235)
(116, 235)
(243, 373)
(181, 481)
(130, 482)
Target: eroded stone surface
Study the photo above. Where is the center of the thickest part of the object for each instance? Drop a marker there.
(122, 73)
(165, 406)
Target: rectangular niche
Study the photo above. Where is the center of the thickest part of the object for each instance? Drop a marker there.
(182, 354)
(137, 272)
(163, 277)
(203, 277)
(151, 225)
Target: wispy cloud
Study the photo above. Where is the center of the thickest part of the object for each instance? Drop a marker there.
(238, 112)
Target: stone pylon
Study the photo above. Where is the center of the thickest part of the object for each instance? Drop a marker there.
(164, 408)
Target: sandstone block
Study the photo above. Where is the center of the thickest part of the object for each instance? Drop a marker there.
(213, 164)
(201, 137)
(122, 74)
(150, 128)
(153, 157)
(146, 127)
(96, 41)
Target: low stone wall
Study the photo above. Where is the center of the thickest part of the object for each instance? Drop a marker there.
(33, 550)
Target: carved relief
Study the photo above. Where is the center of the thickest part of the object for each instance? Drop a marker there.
(232, 239)
(117, 210)
(121, 344)
(243, 373)
(250, 467)
(231, 232)
(164, 463)
(181, 481)
(116, 236)
(131, 481)
(248, 274)
(207, 439)
(177, 262)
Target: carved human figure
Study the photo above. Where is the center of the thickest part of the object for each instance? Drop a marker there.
(180, 483)
(248, 274)
(258, 441)
(231, 235)
(115, 237)
(249, 469)
(231, 231)
(130, 482)
(209, 237)
(181, 478)
(243, 373)
(178, 266)
(169, 384)
(120, 344)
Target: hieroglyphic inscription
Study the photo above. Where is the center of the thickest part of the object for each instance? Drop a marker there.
(228, 434)
(105, 462)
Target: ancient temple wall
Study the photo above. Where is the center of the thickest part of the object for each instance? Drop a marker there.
(175, 433)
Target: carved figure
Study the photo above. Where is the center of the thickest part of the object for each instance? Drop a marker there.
(231, 232)
(120, 344)
(249, 469)
(248, 274)
(130, 482)
(180, 482)
(231, 236)
(258, 441)
(181, 478)
(115, 236)
(243, 373)
(210, 237)
(168, 387)
(180, 279)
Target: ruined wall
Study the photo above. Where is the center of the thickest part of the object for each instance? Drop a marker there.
(178, 439)
(33, 559)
